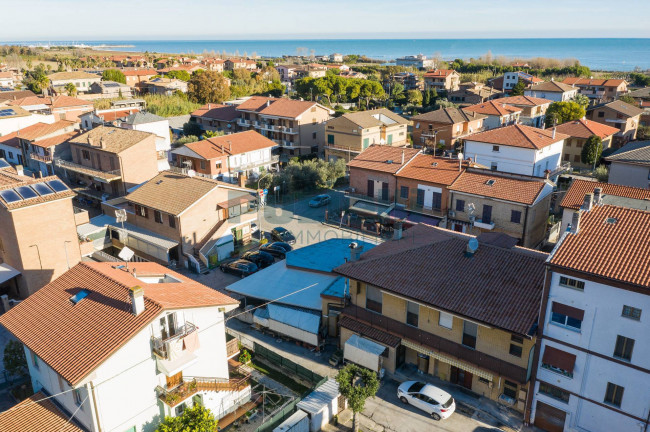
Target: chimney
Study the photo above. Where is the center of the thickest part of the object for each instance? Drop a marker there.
(137, 300)
(554, 132)
(402, 157)
(575, 222)
(102, 143)
(209, 106)
(588, 202)
(355, 251)
(230, 146)
(268, 103)
(397, 232)
(19, 170)
(598, 195)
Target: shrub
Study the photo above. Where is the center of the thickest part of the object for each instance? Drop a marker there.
(244, 357)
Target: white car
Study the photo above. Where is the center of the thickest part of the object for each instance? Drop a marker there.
(429, 398)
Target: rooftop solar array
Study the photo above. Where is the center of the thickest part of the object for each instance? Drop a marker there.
(57, 185)
(10, 196)
(7, 112)
(111, 84)
(4, 164)
(26, 192)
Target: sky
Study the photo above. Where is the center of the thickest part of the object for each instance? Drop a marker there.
(77, 20)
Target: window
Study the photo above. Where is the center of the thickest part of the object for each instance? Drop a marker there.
(172, 221)
(515, 216)
(576, 158)
(631, 312)
(85, 154)
(330, 139)
(404, 192)
(515, 350)
(446, 320)
(157, 216)
(510, 389)
(567, 157)
(76, 394)
(373, 299)
(494, 166)
(420, 198)
(614, 394)
(61, 385)
(572, 283)
(35, 360)
(486, 217)
(554, 392)
(624, 347)
(412, 313)
(483, 380)
(460, 205)
(567, 316)
(217, 165)
(470, 331)
(495, 148)
(313, 135)
(202, 164)
(366, 143)
(141, 211)
(601, 114)
(517, 339)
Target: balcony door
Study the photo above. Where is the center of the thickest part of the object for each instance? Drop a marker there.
(487, 214)
(461, 377)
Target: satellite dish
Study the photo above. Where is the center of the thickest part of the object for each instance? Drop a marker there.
(471, 207)
(472, 246)
(120, 215)
(460, 156)
(126, 254)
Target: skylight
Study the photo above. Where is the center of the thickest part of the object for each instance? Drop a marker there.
(79, 296)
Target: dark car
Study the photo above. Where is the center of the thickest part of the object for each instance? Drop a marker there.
(283, 235)
(239, 267)
(277, 249)
(260, 258)
(320, 200)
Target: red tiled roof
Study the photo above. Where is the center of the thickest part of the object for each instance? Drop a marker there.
(426, 167)
(575, 195)
(140, 72)
(551, 86)
(217, 112)
(376, 158)
(110, 116)
(369, 332)
(37, 414)
(40, 129)
(62, 101)
(56, 140)
(593, 82)
(612, 242)
(503, 188)
(10, 140)
(585, 129)
(241, 142)
(518, 135)
(497, 286)
(87, 333)
(493, 107)
(524, 100)
(280, 107)
(436, 73)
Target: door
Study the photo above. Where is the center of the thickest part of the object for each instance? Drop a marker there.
(458, 227)
(401, 355)
(461, 377)
(487, 214)
(436, 201)
(171, 324)
(371, 188)
(428, 199)
(549, 418)
(384, 191)
(423, 363)
(174, 380)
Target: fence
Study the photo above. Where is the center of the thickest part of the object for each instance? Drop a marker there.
(277, 418)
(290, 366)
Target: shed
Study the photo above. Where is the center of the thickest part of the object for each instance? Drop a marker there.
(322, 404)
(364, 352)
(298, 422)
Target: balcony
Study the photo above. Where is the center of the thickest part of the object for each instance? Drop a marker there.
(232, 346)
(163, 347)
(365, 197)
(478, 223)
(248, 165)
(192, 385)
(99, 175)
(424, 210)
(40, 158)
(243, 122)
(436, 343)
(289, 130)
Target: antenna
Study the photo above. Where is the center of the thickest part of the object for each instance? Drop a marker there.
(126, 254)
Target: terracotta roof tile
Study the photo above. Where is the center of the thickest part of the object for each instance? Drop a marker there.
(494, 186)
(280, 107)
(439, 73)
(585, 129)
(493, 107)
(612, 242)
(115, 140)
(37, 414)
(508, 294)
(10, 140)
(593, 82)
(38, 130)
(140, 72)
(621, 107)
(376, 158)
(58, 76)
(551, 87)
(449, 116)
(10, 180)
(217, 112)
(426, 167)
(55, 140)
(88, 332)
(232, 144)
(575, 195)
(524, 100)
(518, 135)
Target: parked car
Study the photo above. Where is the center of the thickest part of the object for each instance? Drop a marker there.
(429, 398)
(260, 258)
(239, 267)
(320, 200)
(277, 249)
(283, 235)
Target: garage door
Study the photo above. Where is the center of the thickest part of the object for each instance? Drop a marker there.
(548, 418)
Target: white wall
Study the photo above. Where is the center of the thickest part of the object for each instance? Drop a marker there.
(548, 157)
(629, 175)
(516, 160)
(9, 125)
(11, 154)
(160, 128)
(554, 96)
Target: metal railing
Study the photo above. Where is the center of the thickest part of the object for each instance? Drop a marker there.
(161, 345)
(40, 158)
(365, 197)
(83, 169)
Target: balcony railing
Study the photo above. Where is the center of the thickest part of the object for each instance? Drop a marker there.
(365, 197)
(421, 209)
(289, 130)
(479, 223)
(232, 347)
(161, 345)
(249, 165)
(436, 343)
(192, 385)
(243, 122)
(82, 169)
(40, 158)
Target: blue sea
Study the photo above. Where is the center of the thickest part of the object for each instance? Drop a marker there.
(598, 54)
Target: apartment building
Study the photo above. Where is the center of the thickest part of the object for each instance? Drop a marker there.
(419, 61)
(164, 86)
(434, 301)
(108, 161)
(10, 149)
(497, 113)
(38, 237)
(518, 149)
(445, 127)
(147, 122)
(593, 357)
(216, 117)
(481, 201)
(630, 165)
(553, 90)
(240, 63)
(352, 133)
(42, 142)
(83, 81)
(620, 115)
(579, 131)
(159, 347)
(510, 79)
(473, 93)
(443, 80)
(600, 90)
(137, 77)
(228, 157)
(62, 107)
(296, 126)
(533, 109)
(409, 80)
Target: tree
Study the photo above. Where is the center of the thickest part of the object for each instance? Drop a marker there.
(581, 100)
(414, 97)
(629, 100)
(562, 112)
(71, 89)
(37, 80)
(601, 173)
(592, 150)
(518, 89)
(114, 75)
(194, 419)
(426, 98)
(192, 128)
(207, 87)
(357, 384)
(14, 360)
(182, 75)
(211, 134)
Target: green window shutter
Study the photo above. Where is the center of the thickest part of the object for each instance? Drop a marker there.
(390, 139)
(330, 139)
(366, 143)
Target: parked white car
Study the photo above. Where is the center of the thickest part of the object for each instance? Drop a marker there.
(429, 398)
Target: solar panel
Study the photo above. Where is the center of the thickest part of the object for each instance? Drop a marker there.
(42, 189)
(4, 164)
(7, 112)
(111, 84)
(26, 192)
(57, 186)
(10, 196)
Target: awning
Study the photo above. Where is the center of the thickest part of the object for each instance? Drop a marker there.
(7, 272)
(459, 364)
(172, 367)
(261, 317)
(569, 311)
(558, 359)
(146, 235)
(307, 321)
(369, 208)
(364, 352)
(237, 201)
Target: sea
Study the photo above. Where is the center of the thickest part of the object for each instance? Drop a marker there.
(597, 54)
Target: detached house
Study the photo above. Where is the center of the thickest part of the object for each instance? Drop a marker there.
(579, 131)
(445, 127)
(148, 122)
(352, 133)
(130, 346)
(473, 93)
(517, 149)
(553, 90)
(137, 77)
(510, 79)
(601, 90)
(81, 80)
(442, 80)
(497, 113)
(216, 117)
(430, 301)
(61, 107)
(533, 109)
(630, 165)
(42, 143)
(239, 63)
(620, 115)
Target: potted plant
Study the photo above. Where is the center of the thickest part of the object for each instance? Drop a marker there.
(245, 357)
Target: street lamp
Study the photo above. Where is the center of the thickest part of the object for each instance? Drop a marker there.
(258, 206)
